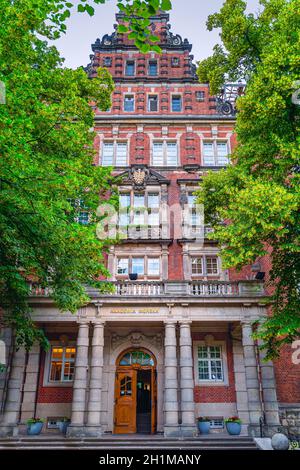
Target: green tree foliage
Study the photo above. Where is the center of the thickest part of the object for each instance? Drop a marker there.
(260, 193)
(46, 148)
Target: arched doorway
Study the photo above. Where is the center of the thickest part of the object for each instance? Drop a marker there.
(135, 393)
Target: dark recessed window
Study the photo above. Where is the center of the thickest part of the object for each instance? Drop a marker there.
(176, 103)
(107, 62)
(175, 62)
(129, 69)
(153, 68)
(152, 103)
(200, 95)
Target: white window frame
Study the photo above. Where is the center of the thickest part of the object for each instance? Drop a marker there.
(146, 275)
(165, 152)
(124, 99)
(217, 383)
(115, 144)
(47, 368)
(215, 143)
(204, 257)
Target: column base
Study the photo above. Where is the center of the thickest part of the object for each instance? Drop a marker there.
(9, 430)
(189, 430)
(84, 431)
(172, 431)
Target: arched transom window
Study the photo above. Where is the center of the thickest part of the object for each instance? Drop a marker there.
(137, 357)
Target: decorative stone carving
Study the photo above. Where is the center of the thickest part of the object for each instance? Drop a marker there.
(136, 339)
(139, 176)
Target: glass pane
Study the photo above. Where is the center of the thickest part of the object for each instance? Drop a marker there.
(176, 103)
(203, 370)
(152, 103)
(121, 155)
(125, 386)
(68, 373)
(153, 266)
(122, 267)
(108, 154)
(158, 156)
(191, 200)
(138, 217)
(124, 199)
(216, 370)
(153, 200)
(197, 266)
(208, 154)
(129, 103)
(70, 353)
(55, 371)
(126, 360)
(138, 265)
(129, 68)
(139, 200)
(215, 352)
(212, 265)
(171, 154)
(83, 218)
(153, 219)
(153, 68)
(202, 352)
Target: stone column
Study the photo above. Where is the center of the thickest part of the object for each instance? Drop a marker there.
(188, 426)
(171, 427)
(240, 384)
(76, 428)
(10, 420)
(252, 382)
(272, 420)
(95, 398)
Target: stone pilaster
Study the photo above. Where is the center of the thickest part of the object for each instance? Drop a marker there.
(76, 428)
(240, 384)
(31, 383)
(10, 418)
(252, 380)
(271, 409)
(188, 426)
(171, 427)
(96, 371)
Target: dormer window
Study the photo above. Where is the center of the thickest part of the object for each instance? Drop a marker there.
(200, 96)
(153, 68)
(129, 68)
(175, 62)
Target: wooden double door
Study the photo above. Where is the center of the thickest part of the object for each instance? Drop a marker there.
(135, 400)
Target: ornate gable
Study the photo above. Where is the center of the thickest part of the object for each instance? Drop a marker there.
(140, 176)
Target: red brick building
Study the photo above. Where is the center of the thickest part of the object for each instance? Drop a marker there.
(173, 342)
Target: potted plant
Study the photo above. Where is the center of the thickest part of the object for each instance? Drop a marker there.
(34, 426)
(63, 424)
(133, 276)
(233, 425)
(203, 425)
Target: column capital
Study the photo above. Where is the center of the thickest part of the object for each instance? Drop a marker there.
(185, 322)
(98, 322)
(170, 322)
(83, 322)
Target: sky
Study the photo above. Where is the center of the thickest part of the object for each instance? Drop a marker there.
(188, 18)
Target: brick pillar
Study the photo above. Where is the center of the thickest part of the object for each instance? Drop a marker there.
(252, 382)
(188, 425)
(76, 428)
(96, 369)
(171, 427)
(10, 418)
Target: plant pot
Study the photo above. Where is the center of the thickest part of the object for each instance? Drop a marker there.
(204, 427)
(133, 276)
(234, 429)
(34, 429)
(63, 426)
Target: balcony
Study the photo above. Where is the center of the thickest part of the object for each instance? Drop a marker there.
(192, 289)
